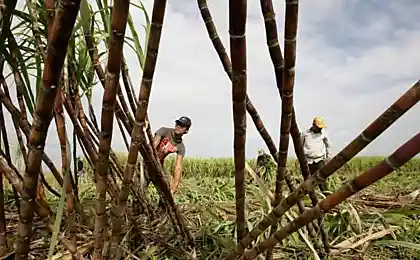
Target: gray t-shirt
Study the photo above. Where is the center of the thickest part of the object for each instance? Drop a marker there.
(167, 144)
(316, 146)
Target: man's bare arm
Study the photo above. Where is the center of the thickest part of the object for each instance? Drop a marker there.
(156, 140)
(328, 145)
(177, 173)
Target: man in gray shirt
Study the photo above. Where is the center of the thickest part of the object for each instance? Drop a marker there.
(169, 140)
(316, 146)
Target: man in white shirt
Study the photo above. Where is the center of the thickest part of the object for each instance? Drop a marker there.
(316, 146)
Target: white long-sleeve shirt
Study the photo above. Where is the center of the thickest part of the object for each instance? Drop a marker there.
(316, 146)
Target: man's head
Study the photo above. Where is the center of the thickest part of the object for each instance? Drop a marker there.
(182, 125)
(79, 165)
(318, 124)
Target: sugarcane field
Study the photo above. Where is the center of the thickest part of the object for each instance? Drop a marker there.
(156, 129)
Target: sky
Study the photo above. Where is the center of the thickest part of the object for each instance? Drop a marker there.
(354, 59)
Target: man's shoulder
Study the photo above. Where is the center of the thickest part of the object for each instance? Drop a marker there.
(306, 132)
(164, 130)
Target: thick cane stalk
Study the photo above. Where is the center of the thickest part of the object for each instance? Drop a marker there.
(252, 111)
(397, 159)
(288, 123)
(63, 26)
(139, 140)
(377, 127)
(291, 24)
(118, 25)
(237, 23)
(137, 132)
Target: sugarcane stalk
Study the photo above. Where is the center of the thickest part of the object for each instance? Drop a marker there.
(237, 24)
(115, 161)
(50, 9)
(118, 24)
(390, 164)
(12, 60)
(122, 113)
(62, 137)
(128, 85)
(19, 138)
(290, 125)
(18, 121)
(252, 111)
(139, 140)
(62, 29)
(35, 29)
(377, 127)
(16, 180)
(86, 144)
(291, 25)
(3, 236)
(40, 208)
(25, 126)
(120, 126)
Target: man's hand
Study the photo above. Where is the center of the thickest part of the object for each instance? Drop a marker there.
(177, 174)
(174, 187)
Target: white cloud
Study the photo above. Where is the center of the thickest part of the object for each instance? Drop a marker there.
(349, 70)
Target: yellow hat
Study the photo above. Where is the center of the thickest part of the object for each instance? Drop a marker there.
(319, 122)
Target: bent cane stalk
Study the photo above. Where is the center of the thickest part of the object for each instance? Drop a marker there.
(397, 159)
(63, 26)
(377, 127)
(237, 23)
(252, 111)
(118, 25)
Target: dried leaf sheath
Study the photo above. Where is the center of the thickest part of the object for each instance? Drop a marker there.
(397, 159)
(377, 127)
(56, 51)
